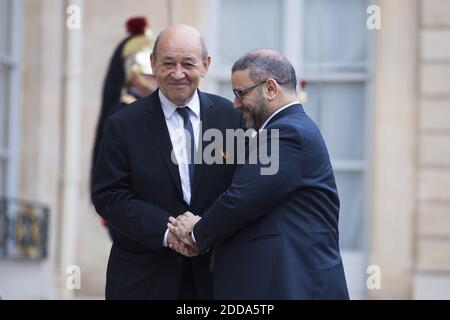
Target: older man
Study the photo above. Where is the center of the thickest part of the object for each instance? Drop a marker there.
(276, 235)
(137, 185)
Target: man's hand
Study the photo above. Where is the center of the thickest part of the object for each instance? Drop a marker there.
(179, 246)
(183, 225)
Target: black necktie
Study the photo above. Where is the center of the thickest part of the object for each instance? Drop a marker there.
(184, 112)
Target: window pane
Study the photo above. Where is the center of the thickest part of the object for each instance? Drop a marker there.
(5, 43)
(224, 90)
(339, 111)
(3, 222)
(4, 114)
(335, 32)
(247, 25)
(2, 177)
(350, 189)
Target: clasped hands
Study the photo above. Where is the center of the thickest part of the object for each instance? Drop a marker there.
(179, 237)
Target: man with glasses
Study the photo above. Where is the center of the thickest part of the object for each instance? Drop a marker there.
(137, 185)
(276, 236)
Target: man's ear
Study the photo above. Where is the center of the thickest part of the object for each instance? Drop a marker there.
(206, 63)
(272, 89)
(152, 61)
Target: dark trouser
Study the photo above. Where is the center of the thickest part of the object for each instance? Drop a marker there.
(187, 289)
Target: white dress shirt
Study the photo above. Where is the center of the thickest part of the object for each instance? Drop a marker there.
(175, 125)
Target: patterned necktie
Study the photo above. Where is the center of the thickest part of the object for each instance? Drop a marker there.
(184, 112)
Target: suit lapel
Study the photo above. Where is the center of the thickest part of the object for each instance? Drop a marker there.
(161, 135)
(207, 113)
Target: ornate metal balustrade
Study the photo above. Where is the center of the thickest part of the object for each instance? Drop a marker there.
(23, 229)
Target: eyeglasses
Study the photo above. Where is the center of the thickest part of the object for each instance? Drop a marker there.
(239, 93)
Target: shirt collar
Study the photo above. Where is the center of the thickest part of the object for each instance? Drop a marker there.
(278, 111)
(169, 107)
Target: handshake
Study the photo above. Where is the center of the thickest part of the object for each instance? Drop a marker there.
(179, 237)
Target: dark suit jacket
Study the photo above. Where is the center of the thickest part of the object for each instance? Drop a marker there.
(136, 187)
(278, 234)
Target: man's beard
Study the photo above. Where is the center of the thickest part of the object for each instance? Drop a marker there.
(257, 114)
